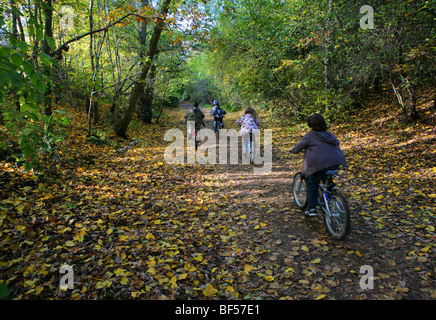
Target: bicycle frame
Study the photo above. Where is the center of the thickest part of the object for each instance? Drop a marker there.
(325, 197)
(334, 206)
(218, 124)
(251, 147)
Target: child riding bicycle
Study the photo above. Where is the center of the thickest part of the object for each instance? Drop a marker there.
(197, 116)
(218, 114)
(249, 124)
(322, 153)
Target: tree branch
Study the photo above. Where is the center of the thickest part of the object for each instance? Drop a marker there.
(58, 51)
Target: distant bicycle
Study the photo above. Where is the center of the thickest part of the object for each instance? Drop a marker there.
(192, 135)
(218, 124)
(332, 203)
(251, 147)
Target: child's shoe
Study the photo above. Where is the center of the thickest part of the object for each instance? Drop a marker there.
(310, 212)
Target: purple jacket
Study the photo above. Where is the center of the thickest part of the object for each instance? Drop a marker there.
(321, 151)
(248, 122)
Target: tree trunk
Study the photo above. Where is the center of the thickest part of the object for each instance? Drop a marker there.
(92, 110)
(145, 102)
(123, 123)
(48, 31)
(328, 41)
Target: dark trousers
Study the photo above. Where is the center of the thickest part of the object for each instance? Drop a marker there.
(217, 124)
(312, 183)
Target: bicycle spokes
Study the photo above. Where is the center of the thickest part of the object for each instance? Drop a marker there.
(337, 216)
(333, 204)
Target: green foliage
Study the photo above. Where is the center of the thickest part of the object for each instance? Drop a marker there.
(35, 132)
(278, 52)
(99, 137)
(4, 290)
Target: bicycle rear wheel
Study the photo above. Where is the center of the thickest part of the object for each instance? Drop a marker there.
(299, 190)
(251, 148)
(337, 219)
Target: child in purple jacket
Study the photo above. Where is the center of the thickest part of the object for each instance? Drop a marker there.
(321, 153)
(249, 124)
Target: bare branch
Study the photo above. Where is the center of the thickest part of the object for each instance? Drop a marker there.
(65, 44)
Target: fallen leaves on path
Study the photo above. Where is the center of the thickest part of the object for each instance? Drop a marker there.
(133, 227)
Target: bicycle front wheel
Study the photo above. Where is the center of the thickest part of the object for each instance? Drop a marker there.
(299, 190)
(337, 217)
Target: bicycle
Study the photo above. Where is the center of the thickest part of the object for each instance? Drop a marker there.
(332, 203)
(192, 135)
(218, 124)
(250, 146)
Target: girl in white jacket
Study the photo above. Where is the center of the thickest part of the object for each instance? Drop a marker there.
(249, 123)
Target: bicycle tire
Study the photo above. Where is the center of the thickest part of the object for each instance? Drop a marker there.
(338, 221)
(299, 190)
(251, 150)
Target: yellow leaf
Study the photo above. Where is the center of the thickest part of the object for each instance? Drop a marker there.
(426, 249)
(69, 243)
(110, 230)
(248, 267)
(316, 286)
(123, 237)
(151, 271)
(209, 291)
(119, 271)
(269, 278)
(183, 276)
(230, 289)
(289, 270)
(256, 227)
(304, 248)
(205, 208)
(173, 282)
(150, 236)
(199, 257)
(321, 296)
(262, 224)
(124, 281)
(317, 260)
(358, 254)
(243, 216)
(20, 227)
(136, 294)
(29, 283)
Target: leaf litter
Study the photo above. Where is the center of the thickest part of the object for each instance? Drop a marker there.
(134, 227)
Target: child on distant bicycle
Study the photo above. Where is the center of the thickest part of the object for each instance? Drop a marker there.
(218, 114)
(249, 123)
(197, 116)
(322, 153)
